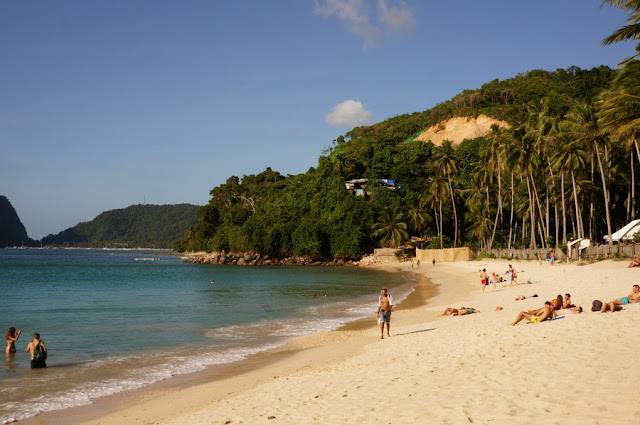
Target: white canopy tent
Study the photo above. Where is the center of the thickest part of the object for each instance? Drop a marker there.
(626, 233)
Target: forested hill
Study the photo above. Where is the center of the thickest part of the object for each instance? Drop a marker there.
(12, 231)
(147, 226)
(537, 183)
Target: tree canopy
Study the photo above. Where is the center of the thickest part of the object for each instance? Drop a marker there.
(553, 175)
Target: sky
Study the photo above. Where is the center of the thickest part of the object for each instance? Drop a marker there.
(107, 104)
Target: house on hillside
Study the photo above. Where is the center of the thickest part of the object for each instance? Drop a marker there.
(358, 187)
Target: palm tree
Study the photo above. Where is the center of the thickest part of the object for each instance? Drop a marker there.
(390, 228)
(446, 165)
(419, 219)
(436, 195)
(627, 32)
(582, 124)
(571, 157)
(525, 157)
(480, 226)
(619, 115)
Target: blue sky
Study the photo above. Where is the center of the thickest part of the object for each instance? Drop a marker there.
(106, 104)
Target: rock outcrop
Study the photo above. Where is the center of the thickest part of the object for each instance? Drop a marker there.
(256, 259)
(12, 231)
(460, 128)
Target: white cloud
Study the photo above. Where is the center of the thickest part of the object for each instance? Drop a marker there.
(396, 18)
(349, 113)
(355, 14)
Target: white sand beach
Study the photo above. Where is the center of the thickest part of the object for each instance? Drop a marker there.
(437, 370)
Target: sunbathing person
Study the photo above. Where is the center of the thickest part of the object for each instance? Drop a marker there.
(611, 306)
(467, 310)
(569, 310)
(616, 305)
(547, 312)
(522, 297)
(634, 263)
(458, 312)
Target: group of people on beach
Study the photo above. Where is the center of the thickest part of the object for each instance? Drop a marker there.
(486, 280)
(616, 305)
(555, 308)
(562, 306)
(36, 347)
(558, 306)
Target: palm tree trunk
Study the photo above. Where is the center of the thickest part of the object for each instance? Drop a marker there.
(635, 143)
(555, 219)
(564, 209)
(605, 193)
(455, 213)
(630, 191)
(441, 229)
(538, 203)
(532, 214)
(495, 225)
(580, 234)
(513, 194)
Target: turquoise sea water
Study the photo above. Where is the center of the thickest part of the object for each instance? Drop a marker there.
(112, 323)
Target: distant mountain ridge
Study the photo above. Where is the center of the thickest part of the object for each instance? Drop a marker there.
(12, 231)
(147, 226)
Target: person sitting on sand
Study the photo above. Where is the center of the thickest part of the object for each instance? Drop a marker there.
(616, 305)
(634, 263)
(522, 297)
(567, 301)
(547, 313)
(557, 303)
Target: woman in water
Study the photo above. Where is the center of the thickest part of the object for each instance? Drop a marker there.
(12, 337)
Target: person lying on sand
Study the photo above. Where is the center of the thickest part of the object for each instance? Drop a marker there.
(610, 306)
(634, 263)
(522, 297)
(547, 313)
(458, 312)
(616, 305)
(569, 310)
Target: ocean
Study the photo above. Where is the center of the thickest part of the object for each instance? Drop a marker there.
(112, 321)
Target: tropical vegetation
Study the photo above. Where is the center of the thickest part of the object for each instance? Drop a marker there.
(147, 226)
(565, 167)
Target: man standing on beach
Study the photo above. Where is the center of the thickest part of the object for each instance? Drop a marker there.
(484, 279)
(385, 304)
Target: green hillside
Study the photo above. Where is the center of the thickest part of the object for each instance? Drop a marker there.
(148, 226)
(539, 183)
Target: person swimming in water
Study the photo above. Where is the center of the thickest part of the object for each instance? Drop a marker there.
(12, 337)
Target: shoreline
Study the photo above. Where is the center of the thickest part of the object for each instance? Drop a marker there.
(439, 370)
(296, 354)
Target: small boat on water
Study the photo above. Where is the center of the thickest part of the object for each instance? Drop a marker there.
(147, 259)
